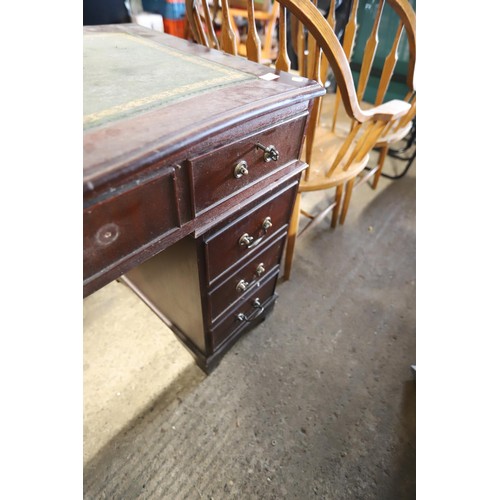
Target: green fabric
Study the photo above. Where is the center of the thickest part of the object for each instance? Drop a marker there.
(388, 26)
(125, 75)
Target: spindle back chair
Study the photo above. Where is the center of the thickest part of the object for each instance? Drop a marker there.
(379, 40)
(265, 21)
(347, 153)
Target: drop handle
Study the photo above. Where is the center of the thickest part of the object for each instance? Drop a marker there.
(249, 241)
(255, 304)
(245, 240)
(260, 269)
(270, 152)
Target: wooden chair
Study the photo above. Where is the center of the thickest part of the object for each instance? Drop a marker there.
(266, 17)
(373, 66)
(348, 153)
(383, 62)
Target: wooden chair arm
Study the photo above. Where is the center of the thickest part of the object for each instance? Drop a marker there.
(391, 110)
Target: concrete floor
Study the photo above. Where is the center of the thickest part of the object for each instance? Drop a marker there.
(316, 402)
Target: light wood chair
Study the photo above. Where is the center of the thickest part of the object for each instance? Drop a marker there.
(348, 152)
(380, 43)
(373, 66)
(265, 17)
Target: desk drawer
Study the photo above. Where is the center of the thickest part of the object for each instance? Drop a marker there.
(248, 233)
(258, 268)
(220, 174)
(246, 311)
(129, 218)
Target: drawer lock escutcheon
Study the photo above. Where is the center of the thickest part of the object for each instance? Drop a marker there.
(270, 152)
(241, 169)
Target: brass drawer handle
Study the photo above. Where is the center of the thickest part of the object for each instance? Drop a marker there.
(249, 241)
(257, 305)
(270, 153)
(245, 240)
(260, 269)
(242, 286)
(241, 169)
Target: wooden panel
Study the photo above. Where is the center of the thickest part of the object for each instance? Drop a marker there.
(259, 267)
(127, 218)
(213, 174)
(223, 250)
(169, 284)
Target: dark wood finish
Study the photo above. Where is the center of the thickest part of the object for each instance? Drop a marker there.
(174, 282)
(164, 212)
(122, 156)
(222, 247)
(169, 282)
(121, 221)
(227, 293)
(213, 173)
(231, 323)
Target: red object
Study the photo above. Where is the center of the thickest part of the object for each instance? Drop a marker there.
(176, 27)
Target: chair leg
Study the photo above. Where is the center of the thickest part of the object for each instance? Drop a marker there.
(292, 237)
(336, 208)
(347, 199)
(380, 166)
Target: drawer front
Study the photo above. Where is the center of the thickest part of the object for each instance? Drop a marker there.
(245, 312)
(135, 215)
(223, 172)
(249, 233)
(258, 268)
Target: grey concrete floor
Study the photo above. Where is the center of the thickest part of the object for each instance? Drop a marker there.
(316, 402)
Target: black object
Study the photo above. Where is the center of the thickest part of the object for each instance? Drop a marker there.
(104, 12)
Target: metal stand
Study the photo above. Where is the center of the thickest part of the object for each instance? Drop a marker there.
(402, 153)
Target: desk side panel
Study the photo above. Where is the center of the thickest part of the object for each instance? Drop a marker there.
(169, 283)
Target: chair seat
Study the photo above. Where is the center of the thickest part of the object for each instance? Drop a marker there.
(396, 136)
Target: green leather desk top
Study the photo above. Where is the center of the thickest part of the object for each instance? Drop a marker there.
(124, 75)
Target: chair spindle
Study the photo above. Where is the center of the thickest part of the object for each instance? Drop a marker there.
(369, 53)
(228, 35)
(253, 40)
(282, 61)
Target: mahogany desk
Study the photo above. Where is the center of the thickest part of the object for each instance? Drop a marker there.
(190, 172)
